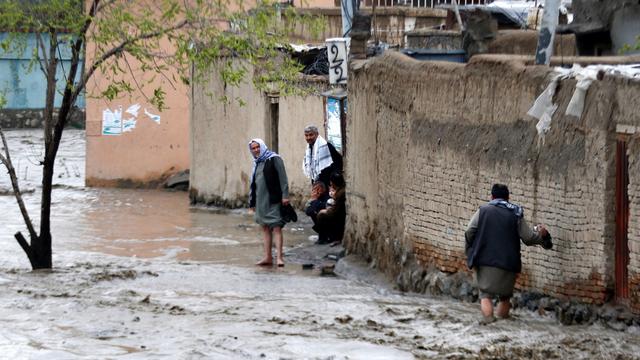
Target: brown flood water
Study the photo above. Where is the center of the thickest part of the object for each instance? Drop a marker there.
(160, 224)
(141, 275)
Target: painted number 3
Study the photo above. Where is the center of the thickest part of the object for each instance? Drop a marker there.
(337, 64)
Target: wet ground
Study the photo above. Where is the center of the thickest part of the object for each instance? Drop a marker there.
(140, 274)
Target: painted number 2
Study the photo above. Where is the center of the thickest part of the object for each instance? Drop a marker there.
(337, 64)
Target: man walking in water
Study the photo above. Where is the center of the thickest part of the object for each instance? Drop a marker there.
(493, 249)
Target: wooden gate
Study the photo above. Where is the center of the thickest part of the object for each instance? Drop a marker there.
(622, 219)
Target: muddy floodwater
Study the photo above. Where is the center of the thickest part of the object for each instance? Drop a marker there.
(138, 274)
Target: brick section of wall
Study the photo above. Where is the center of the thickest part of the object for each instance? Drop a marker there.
(439, 135)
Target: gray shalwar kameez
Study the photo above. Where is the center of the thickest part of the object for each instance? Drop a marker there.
(493, 281)
(267, 213)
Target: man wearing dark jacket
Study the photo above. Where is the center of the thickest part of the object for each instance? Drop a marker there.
(318, 202)
(334, 216)
(493, 249)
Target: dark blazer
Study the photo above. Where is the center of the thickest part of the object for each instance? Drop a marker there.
(334, 217)
(273, 183)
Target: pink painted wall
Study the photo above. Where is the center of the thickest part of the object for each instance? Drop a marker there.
(148, 153)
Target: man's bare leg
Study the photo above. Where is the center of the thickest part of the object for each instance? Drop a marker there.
(503, 309)
(486, 306)
(266, 239)
(277, 234)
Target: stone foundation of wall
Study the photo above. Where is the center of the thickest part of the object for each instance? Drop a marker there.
(33, 118)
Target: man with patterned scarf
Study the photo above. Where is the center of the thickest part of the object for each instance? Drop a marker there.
(493, 249)
(321, 158)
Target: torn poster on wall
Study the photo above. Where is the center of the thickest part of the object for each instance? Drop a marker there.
(113, 123)
(334, 130)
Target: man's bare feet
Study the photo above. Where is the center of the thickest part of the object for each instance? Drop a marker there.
(265, 262)
(280, 262)
(486, 320)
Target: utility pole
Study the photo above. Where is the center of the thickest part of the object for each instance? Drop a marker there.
(547, 32)
(348, 9)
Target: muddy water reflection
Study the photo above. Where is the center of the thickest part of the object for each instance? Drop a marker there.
(146, 223)
(123, 222)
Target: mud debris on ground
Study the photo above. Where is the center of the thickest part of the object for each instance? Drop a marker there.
(140, 274)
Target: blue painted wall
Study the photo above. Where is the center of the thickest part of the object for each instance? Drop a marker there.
(24, 88)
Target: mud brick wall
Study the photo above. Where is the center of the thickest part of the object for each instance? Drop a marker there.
(427, 140)
(626, 112)
(221, 164)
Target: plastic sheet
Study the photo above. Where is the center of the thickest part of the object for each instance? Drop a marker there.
(543, 108)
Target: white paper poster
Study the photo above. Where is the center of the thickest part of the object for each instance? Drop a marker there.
(111, 122)
(114, 124)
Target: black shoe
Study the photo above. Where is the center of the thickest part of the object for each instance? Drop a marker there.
(323, 239)
(548, 244)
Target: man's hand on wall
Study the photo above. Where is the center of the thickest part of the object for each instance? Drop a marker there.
(546, 237)
(542, 230)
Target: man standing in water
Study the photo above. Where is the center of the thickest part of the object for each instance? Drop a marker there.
(268, 193)
(493, 249)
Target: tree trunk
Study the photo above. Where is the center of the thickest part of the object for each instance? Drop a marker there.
(39, 251)
(41, 245)
(39, 256)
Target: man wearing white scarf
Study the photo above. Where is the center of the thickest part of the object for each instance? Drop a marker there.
(321, 158)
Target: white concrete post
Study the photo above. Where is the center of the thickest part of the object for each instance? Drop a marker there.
(348, 9)
(547, 32)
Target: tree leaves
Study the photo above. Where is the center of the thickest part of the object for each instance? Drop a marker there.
(181, 41)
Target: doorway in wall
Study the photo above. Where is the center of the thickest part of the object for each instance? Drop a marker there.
(622, 219)
(335, 118)
(272, 123)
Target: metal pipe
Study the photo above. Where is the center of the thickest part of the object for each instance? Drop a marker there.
(457, 12)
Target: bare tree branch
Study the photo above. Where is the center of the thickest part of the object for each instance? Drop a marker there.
(6, 160)
(135, 80)
(164, 75)
(52, 67)
(64, 72)
(33, 258)
(44, 53)
(75, 53)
